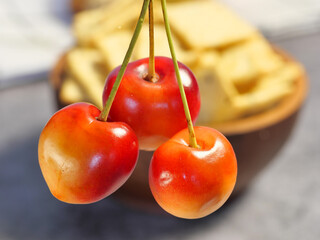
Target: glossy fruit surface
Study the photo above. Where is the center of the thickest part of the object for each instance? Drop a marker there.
(153, 109)
(82, 159)
(189, 182)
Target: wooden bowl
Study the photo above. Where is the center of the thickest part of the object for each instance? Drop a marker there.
(256, 140)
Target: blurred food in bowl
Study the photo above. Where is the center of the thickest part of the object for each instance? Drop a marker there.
(239, 73)
(80, 5)
(250, 91)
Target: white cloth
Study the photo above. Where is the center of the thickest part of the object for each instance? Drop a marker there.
(279, 18)
(33, 33)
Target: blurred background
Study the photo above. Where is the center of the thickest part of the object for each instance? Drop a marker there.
(281, 200)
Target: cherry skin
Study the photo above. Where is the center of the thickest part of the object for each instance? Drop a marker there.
(153, 109)
(189, 182)
(82, 159)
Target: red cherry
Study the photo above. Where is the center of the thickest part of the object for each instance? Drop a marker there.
(82, 159)
(189, 182)
(153, 109)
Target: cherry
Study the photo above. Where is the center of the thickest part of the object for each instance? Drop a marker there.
(82, 159)
(193, 182)
(153, 109)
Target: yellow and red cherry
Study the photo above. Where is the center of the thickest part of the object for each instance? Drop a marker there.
(82, 159)
(153, 108)
(193, 182)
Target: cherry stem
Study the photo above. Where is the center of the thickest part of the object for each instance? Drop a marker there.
(151, 73)
(106, 109)
(192, 137)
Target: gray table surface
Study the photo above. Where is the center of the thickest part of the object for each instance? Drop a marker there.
(283, 202)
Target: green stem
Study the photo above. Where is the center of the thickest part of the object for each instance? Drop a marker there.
(151, 73)
(192, 137)
(106, 109)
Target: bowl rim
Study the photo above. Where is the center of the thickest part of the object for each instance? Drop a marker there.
(282, 110)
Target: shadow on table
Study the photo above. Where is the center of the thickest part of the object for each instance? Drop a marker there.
(28, 210)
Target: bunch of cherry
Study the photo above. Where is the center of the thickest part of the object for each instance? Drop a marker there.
(86, 154)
